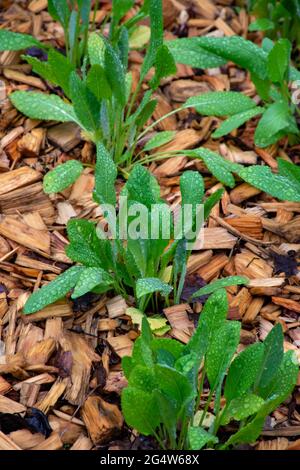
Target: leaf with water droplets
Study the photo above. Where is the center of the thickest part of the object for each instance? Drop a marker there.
(220, 283)
(242, 407)
(198, 438)
(53, 291)
(151, 284)
(42, 106)
(220, 103)
(62, 176)
(91, 278)
(10, 41)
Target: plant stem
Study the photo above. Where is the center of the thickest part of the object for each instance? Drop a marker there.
(206, 406)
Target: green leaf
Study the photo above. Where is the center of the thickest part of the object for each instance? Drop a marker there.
(139, 37)
(156, 322)
(105, 177)
(97, 83)
(62, 176)
(274, 124)
(42, 106)
(140, 410)
(169, 345)
(142, 186)
(221, 351)
(191, 188)
(85, 105)
(261, 24)
(220, 283)
(143, 378)
(164, 66)
(96, 49)
(159, 139)
(85, 246)
(217, 165)
(279, 60)
(211, 201)
(62, 70)
(151, 284)
(91, 278)
(188, 51)
(273, 355)
(115, 74)
(242, 407)
(244, 53)
(236, 121)
(10, 41)
(120, 8)
(59, 11)
(156, 37)
(43, 69)
(175, 386)
(53, 291)
(243, 371)
(198, 438)
(212, 318)
(220, 103)
(290, 171)
(261, 177)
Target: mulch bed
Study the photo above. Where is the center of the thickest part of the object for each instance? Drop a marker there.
(60, 371)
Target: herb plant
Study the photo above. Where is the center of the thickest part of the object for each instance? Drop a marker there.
(166, 381)
(276, 18)
(270, 71)
(142, 265)
(100, 98)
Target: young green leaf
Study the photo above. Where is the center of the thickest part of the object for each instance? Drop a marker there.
(261, 24)
(211, 201)
(220, 103)
(244, 53)
(188, 51)
(220, 283)
(62, 176)
(151, 284)
(91, 278)
(115, 74)
(53, 291)
(156, 37)
(217, 165)
(105, 177)
(85, 246)
(159, 139)
(221, 351)
(261, 177)
(42, 106)
(10, 41)
(59, 11)
(120, 8)
(139, 37)
(212, 318)
(242, 407)
(290, 171)
(274, 124)
(164, 66)
(198, 438)
(273, 355)
(85, 105)
(96, 49)
(97, 83)
(279, 60)
(243, 371)
(235, 121)
(142, 187)
(140, 410)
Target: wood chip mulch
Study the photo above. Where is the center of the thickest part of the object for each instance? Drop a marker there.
(64, 361)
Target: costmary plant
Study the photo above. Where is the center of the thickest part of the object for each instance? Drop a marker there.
(276, 18)
(166, 380)
(99, 97)
(150, 268)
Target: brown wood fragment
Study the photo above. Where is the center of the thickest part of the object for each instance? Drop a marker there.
(213, 268)
(253, 310)
(58, 309)
(116, 307)
(7, 444)
(25, 439)
(243, 192)
(290, 304)
(16, 230)
(50, 399)
(30, 144)
(103, 420)
(52, 443)
(68, 431)
(197, 260)
(19, 178)
(10, 406)
(40, 352)
(66, 135)
(23, 78)
(4, 386)
(178, 318)
(252, 266)
(82, 443)
(216, 238)
(122, 345)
